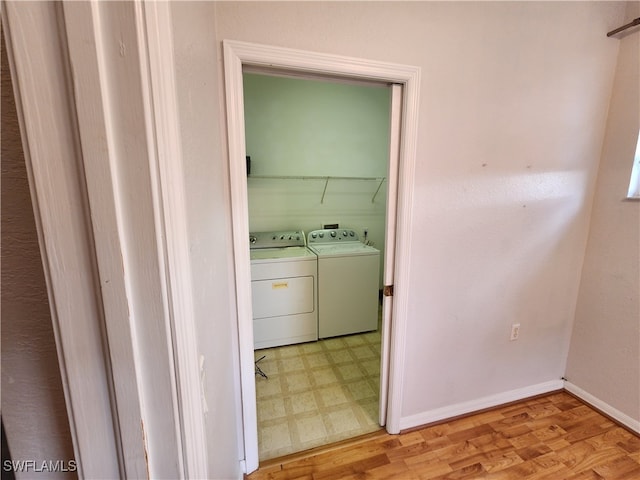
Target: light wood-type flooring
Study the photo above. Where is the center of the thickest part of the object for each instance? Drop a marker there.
(551, 437)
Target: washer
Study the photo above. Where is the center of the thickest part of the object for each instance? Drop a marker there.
(347, 282)
(283, 289)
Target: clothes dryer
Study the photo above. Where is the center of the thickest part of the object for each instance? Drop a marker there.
(283, 289)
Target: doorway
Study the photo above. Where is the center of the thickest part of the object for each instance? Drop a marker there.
(319, 151)
(238, 55)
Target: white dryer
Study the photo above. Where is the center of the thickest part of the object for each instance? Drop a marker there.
(283, 289)
(348, 272)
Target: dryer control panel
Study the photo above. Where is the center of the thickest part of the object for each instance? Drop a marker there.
(333, 235)
(277, 239)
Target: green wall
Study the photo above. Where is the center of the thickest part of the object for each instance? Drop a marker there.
(306, 127)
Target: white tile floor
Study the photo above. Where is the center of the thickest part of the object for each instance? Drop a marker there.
(317, 393)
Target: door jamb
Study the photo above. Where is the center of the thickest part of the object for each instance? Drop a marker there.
(238, 54)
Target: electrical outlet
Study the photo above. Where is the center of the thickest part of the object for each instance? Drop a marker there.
(515, 331)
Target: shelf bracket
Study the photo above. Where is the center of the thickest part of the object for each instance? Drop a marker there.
(373, 199)
(326, 183)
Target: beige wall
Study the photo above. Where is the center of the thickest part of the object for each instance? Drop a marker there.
(605, 345)
(33, 405)
(513, 105)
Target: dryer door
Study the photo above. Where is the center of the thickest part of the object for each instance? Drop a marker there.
(282, 296)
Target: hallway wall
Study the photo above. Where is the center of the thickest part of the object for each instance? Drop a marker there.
(33, 405)
(605, 344)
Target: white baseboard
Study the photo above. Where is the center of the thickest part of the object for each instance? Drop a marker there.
(604, 407)
(463, 408)
(243, 468)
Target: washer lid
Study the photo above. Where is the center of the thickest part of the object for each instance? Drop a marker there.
(344, 248)
(281, 254)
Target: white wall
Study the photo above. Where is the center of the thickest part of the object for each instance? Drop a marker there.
(605, 345)
(298, 126)
(206, 174)
(514, 99)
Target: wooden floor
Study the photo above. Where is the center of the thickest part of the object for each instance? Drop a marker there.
(553, 437)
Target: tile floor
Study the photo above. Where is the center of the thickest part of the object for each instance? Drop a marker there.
(317, 393)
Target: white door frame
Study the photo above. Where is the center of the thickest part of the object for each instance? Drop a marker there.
(238, 54)
(388, 272)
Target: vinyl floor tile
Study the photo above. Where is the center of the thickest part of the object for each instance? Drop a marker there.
(311, 428)
(317, 393)
(332, 395)
(303, 402)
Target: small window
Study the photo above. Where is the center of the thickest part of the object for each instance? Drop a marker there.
(634, 184)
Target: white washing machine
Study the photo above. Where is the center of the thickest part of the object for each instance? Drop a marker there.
(283, 289)
(347, 282)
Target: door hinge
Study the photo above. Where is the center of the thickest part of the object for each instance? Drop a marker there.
(388, 291)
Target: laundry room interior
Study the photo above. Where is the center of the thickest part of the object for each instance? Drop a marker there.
(318, 154)
(317, 162)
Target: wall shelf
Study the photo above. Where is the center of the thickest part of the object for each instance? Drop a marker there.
(326, 180)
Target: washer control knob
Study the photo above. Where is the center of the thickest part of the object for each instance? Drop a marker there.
(351, 233)
(333, 233)
(252, 239)
(321, 234)
(314, 235)
(344, 234)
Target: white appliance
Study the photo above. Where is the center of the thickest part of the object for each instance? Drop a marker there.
(347, 282)
(283, 289)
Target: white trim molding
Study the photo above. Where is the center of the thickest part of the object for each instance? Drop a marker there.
(241, 54)
(604, 407)
(119, 157)
(171, 214)
(37, 50)
(463, 408)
